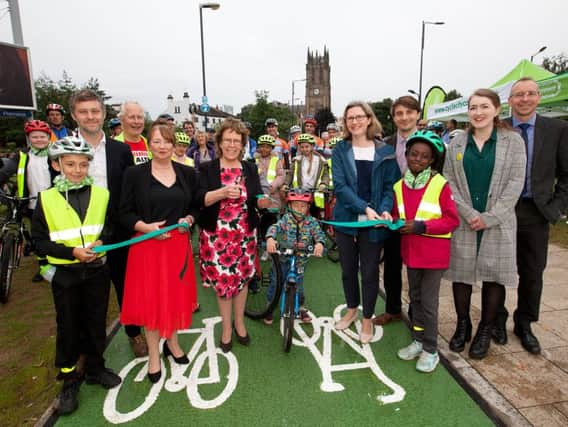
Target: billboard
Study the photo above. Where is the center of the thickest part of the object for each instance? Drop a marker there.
(16, 84)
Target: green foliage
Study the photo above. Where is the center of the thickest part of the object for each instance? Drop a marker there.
(556, 64)
(324, 117)
(453, 94)
(382, 111)
(257, 113)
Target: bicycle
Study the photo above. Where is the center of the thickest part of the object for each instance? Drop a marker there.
(13, 235)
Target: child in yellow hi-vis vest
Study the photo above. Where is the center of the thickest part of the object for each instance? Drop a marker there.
(423, 199)
(67, 223)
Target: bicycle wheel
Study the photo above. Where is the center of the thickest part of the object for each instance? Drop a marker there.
(288, 319)
(6, 254)
(259, 302)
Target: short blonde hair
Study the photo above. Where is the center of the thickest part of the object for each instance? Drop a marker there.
(374, 128)
(234, 125)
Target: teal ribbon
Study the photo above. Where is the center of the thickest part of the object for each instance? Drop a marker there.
(371, 223)
(138, 239)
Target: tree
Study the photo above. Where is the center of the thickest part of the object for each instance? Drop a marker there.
(453, 94)
(257, 113)
(324, 117)
(382, 110)
(556, 64)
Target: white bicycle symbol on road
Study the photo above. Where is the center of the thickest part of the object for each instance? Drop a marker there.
(322, 326)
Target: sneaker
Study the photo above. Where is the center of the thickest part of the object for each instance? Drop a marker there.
(268, 319)
(410, 352)
(427, 362)
(69, 397)
(138, 345)
(104, 377)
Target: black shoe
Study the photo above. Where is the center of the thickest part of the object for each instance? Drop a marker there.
(69, 397)
(242, 340)
(499, 334)
(104, 377)
(461, 335)
(226, 347)
(481, 342)
(37, 277)
(528, 340)
(155, 376)
(182, 360)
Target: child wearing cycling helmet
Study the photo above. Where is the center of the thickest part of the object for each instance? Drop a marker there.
(68, 222)
(423, 199)
(297, 230)
(180, 149)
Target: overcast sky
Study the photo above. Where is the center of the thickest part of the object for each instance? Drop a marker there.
(146, 50)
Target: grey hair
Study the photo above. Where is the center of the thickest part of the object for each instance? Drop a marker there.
(123, 106)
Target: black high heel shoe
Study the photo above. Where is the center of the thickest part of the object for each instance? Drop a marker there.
(182, 360)
(226, 347)
(242, 340)
(155, 377)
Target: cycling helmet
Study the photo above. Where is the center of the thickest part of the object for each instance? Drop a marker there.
(430, 138)
(333, 141)
(266, 139)
(332, 126)
(248, 125)
(299, 196)
(310, 119)
(112, 123)
(70, 145)
(435, 125)
(271, 122)
(306, 137)
(166, 116)
(295, 129)
(36, 125)
(54, 107)
(182, 138)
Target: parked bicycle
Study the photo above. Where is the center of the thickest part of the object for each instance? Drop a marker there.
(13, 237)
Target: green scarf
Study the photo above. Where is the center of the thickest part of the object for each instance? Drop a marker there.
(419, 181)
(40, 152)
(63, 184)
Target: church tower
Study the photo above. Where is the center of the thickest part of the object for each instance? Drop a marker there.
(318, 85)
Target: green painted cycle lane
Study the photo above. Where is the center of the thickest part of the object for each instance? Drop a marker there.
(327, 378)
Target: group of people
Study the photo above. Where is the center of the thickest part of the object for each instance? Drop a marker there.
(476, 211)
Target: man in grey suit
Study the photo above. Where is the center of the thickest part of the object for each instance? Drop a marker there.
(543, 200)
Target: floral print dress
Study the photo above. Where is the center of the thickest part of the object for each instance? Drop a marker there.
(227, 255)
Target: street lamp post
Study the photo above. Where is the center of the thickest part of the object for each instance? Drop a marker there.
(424, 23)
(293, 82)
(202, 6)
(542, 49)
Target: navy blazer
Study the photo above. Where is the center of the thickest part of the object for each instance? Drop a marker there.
(210, 179)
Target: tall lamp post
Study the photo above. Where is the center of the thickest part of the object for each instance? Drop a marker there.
(204, 100)
(293, 83)
(542, 49)
(424, 23)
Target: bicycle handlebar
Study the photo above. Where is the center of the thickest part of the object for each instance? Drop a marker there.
(6, 196)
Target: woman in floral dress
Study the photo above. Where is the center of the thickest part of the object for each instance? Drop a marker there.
(229, 189)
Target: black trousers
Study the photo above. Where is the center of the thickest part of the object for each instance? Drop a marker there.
(532, 251)
(80, 296)
(117, 259)
(358, 252)
(393, 274)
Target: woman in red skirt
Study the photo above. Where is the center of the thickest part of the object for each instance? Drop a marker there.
(155, 195)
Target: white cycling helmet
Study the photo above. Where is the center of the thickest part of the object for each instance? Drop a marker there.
(70, 145)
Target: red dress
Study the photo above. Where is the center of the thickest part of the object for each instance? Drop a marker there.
(154, 295)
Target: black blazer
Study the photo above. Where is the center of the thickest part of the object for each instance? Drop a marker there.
(135, 203)
(549, 169)
(210, 179)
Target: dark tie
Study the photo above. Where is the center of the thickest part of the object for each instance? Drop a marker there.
(525, 135)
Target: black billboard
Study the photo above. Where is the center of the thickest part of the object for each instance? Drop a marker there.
(16, 83)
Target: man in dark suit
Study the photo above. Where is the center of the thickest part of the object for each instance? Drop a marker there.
(543, 201)
(107, 168)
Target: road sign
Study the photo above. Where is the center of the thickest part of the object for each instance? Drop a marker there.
(204, 100)
(204, 108)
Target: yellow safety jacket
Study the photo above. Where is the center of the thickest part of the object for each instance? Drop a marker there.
(429, 207)
(65, 226)
(21, 174)
(120, 137)
(330, 173)
(188, 161)
(272, 169)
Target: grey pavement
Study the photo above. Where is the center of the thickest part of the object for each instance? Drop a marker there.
(519, 389)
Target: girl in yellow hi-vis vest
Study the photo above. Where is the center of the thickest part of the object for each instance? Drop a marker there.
(423, 199)
(68, 221)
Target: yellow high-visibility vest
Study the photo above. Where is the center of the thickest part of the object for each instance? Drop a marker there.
(429, 207)
(188, 161)
(21, 174)
(272, 169)
(64, 224)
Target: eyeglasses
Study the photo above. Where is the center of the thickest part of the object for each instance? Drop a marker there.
(232, 141)
(358, 118)
(528, 94)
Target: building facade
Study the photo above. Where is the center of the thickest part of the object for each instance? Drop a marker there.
(318, 84)
(182, 110)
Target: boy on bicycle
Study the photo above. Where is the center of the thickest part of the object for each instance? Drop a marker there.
(68, 222)
(299, 231)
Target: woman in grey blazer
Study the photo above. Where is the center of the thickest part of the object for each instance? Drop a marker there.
(485, 168)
